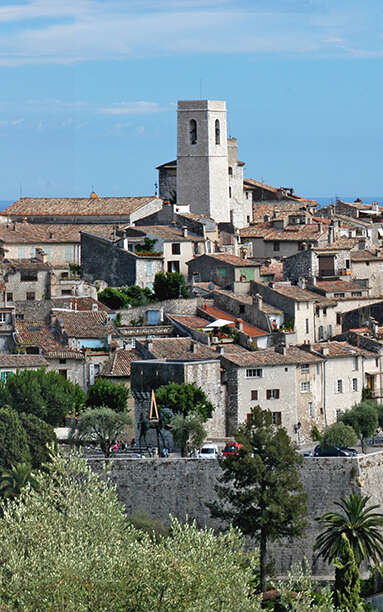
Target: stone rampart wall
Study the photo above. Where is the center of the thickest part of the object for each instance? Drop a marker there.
(182, 487)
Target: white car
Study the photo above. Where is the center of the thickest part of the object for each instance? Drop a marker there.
(208, 451)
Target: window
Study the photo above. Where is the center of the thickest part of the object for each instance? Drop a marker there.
(66, 291)
(193, 132)
(377, 363)
(173, 266)
(272, 394)
(3, 317)
(217, 132)
(241, 308)
(305, 386)
(354, 384)
(276, 245)
(321, 334)
(307, 326)
(176, 248)
(355, 363)
(68, 253)
(276, 418)
(61, 361)
(254, 373)
(347, 264)
(30, 295)
(221, 271)
(324, 312)
(21, 253)
(28, 276)
(19, 316)
(329, 331)
(230, 171)
(247, 195)
(311, 410)
(305, 368)
(149, 268)
(339, 386)
(248, 219)
(338, 295)
(229, 192)
(63, 373)
(339, 318)
(4, 376)
(254, 395)
(356, 293)
(64, 274)
(9, 297)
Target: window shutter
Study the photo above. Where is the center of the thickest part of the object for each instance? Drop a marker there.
(277, 394)
(268, 394)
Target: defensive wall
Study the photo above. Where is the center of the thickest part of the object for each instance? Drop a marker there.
(182, 487)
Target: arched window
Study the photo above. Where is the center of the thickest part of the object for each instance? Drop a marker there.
(193, 131)
(230, 171)
(217, 133)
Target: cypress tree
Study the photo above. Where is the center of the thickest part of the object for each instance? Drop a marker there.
(347, 578)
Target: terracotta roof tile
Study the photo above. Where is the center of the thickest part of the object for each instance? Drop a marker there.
(189, 320)
(22, 361)
(365, 255)
(232, 260)
(270, 357)
(339, 285)
(119, 364)
(82, 324)
(38, 233)
(339, 349)
(248, 328)
(38, 333)
(64, 207)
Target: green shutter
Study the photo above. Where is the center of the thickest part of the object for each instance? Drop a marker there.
(248, 273)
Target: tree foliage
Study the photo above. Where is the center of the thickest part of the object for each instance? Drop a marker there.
(260, 490)
(101, 426)
(40, 436)
(360, 524)
(14, 479)
(187, 431)
(184, 398)
(363, 418)
(13, 439)
(68, 546)
(170, 286)
(138, 296)
(104, 392)
(338, 434)
(347, 578)
(47, 395)
(113, 298)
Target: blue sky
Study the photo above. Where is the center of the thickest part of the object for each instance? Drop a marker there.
(89, 89)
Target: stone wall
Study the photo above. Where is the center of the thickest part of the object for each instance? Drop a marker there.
(179, 306)
(182, 487)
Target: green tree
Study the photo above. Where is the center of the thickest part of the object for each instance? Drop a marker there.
(184, 398)
(169, 286)
(39, 436)
(113, 298)
(14, 479)
(138, 296)
(347, 578)
(147, 247)
(187, 431)
(47, 395)
(360, 524)
(260, 490)
(104, 392)
(338, 434)
(13, 439)
(363, 418)
(100, 425)
(68, 546)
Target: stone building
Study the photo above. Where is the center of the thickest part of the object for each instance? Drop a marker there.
(10, 364)
(93, 210)
(225, 270)
(104, 259)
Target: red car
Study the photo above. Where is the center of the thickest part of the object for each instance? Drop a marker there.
(231, 449)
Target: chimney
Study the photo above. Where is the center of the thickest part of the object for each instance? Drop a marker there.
(281, 349)
(331, 233)
(14, 226)
(258, 301)
(325, 350)
(149, 344)
(51, 235)
(239, 324)
(184, 231)
(109, 339)
(194, 347)
(41, 255)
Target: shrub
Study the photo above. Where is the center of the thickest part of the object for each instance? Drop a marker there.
(13, 439)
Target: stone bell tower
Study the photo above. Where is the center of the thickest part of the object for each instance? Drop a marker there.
(202, 158)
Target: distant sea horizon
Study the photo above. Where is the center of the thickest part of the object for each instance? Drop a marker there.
(322, 201)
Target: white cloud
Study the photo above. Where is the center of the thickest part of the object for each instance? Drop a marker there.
(52, 31)
(132, 108)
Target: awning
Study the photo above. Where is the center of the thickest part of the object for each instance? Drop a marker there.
(219, 323)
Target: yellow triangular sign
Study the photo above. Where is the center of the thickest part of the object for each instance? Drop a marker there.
(154, 417)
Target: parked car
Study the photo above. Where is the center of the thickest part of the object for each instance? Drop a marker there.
(208, 451)
(231, 449)
(335, 451)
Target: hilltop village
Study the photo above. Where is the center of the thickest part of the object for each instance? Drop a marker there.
(285, 298)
